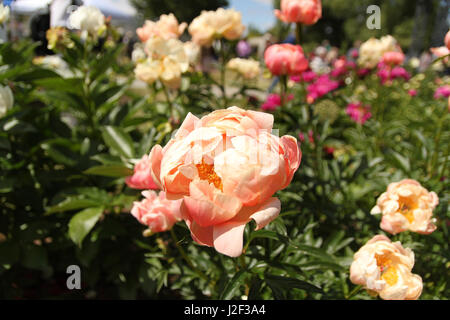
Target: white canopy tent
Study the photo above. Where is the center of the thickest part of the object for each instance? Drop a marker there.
(29, 7)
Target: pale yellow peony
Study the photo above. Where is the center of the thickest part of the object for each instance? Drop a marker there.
(247, 68)
(406, 205)
(371, 51)
(384, 267)
(212, 25)
(166, 61)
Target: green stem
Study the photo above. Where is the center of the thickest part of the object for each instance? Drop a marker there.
(283, 83)
(169, 102)
(298, 32)
(186, 257)
(354, 291)
(437, 139)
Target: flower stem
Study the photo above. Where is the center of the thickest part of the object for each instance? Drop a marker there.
(298, 32)
(283, 83)
(186, 257)
(169, 102)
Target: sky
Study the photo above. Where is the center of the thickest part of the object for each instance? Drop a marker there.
(256, 12)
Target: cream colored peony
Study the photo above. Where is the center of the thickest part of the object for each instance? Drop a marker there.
(166, 61)
(193, 52)
(88, 19)
(406, 205)
(166, 27)
(212, 25)
(247, 68)
(372, 51)
(6, 99)
(384, 268)
(4, 14)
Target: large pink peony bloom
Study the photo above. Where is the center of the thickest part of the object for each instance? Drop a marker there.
(447, 40)
(142, 177)
(300, 11)
(285, 59)
(406, 205)
(384, 267)
(393, 58)
(226, 167)
(156, 211)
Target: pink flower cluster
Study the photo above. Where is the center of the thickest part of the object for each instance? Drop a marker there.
(358, 112)
(307, 76)
(274, 101)
(321, 87)
(442, 92)
(387, 74)
(341, 67)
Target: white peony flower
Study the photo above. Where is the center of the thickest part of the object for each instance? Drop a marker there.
(6, 99)
(87, 19)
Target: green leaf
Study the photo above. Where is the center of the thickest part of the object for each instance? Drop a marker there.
(82, 223)
(110, 171)
(71, 203)
(287, 283)
(119, 140)
(233, 285)
(401, 162)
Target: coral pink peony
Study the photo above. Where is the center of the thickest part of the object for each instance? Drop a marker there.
(226, 167)
(156, 211)
(393, 58)
(406, 205)
(142, 177)
(166, 27)
(285, 59)
(447, 40)
(359, 113)
(384, 268)
(300, 11)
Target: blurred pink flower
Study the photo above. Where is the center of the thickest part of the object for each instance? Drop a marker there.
(393, 58)
(447, 40)
(285, 59)
(358, 112)
(243, 49)
(307, 76)
(274, 101)
(142, 178)
(412, 92)
(300, 11)
(156, 211)
(321, 87)
(442, 92)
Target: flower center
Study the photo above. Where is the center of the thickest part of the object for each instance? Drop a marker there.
(388, 271)
(407, 207)
(206, 172)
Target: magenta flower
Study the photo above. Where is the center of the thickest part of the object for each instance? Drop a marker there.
(412, 92)
(399, 72)
(274, 101)
(358, 112)
(442, 92)
(307, 76)
(321, 87)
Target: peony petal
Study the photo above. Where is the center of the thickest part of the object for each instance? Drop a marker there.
(229, 237)
(267, 213)
(155, 160)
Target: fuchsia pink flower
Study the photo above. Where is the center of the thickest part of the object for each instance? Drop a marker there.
(306, 76)
(226, 168)
(386, 73)
(341, 67)
(142, 178)
(412, 92)
(285, 59)
(442, 92)
(358, 112)
(274, 101)
(300, 11)
(156, 211)
(321, 87)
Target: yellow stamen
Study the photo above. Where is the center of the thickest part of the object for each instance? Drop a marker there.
(206, 172)
(407, 206)
(389, 272)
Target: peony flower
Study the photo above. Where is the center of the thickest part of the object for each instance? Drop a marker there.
(192, 51)
(58, 38)
(88, 19)
(4, 14)
(372, 51)
(300, 11)
(274, 101)
(406, 205)
(6, 99)
(243, 49)
(442, 92)
(359, 113)
(166, 27)
(142, 177)
(393, 58)
(384, 267)
(156, 211)
(320, 87)
(226, 167)
(166, 61)
(285, 59)
(217, 24)
(412, 92)
(247, 68)
(447, 40)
